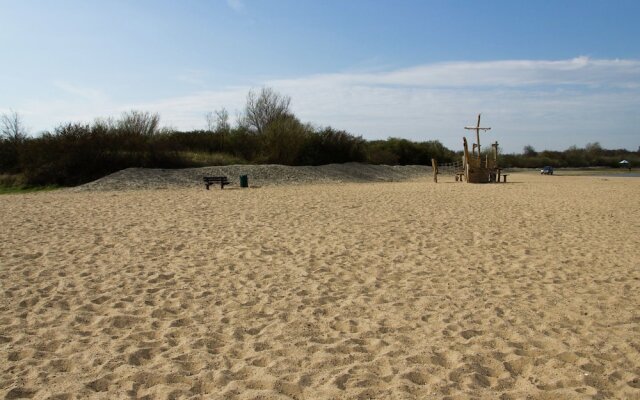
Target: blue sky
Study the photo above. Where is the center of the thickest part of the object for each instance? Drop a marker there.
(547, 73)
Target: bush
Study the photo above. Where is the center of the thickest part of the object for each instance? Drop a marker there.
(10, 155)
(12, 180)
(78, 153)
(405, 152)
(330, 146)
(203, 159)
(72, 154)
(283, 140)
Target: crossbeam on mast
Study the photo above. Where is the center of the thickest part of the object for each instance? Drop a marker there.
(477, 128)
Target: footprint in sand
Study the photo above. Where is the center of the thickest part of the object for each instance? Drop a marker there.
(289, 389)
(61, 365)
(124, 321)
(20, 355)
(141, 356)
(417, 377)
(468, 334)
(100, 300)
(100, 385)
(341, 381)
(20, 393)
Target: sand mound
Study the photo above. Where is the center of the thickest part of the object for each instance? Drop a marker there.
(259, 175)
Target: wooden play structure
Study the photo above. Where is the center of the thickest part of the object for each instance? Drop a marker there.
(475, 167)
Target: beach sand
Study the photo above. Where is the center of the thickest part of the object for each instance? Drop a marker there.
(402, 290)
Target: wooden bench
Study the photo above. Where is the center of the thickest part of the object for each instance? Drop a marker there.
(504, 178)
(210, 180)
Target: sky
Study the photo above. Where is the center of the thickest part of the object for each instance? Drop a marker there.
(545, 73)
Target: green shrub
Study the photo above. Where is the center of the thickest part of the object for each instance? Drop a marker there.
(203, 159)
(283, 140)
(405, 152)
(329, 146)
(10, 155)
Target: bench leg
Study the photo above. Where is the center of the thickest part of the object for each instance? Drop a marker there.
(207, 185)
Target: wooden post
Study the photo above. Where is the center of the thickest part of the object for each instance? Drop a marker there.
(434, 165)
(466, 159)
(477, 128)
(478, 135)
(466, 150)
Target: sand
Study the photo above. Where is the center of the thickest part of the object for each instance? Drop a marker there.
(403, 290)
(259, 176)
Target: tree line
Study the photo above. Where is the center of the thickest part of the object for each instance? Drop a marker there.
(592, 155)
(266, 132)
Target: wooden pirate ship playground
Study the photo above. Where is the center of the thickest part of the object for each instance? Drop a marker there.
(474, 167)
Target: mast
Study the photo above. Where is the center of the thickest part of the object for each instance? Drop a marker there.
(477, 128)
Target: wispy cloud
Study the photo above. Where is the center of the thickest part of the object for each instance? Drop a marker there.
(549, 104)
(192, 77)
(84, 92)
(236, 5)
(545, 103)
(510, 73)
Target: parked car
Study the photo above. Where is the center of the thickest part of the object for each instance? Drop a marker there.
(547, 170)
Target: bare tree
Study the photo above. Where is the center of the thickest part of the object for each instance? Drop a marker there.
(222, 120)
(265, 107)
(593, 147)
(218, 120)
(241, 121)
(12, 128)
(529, 151)
(140, 122)
(108, 123)
(211, 121)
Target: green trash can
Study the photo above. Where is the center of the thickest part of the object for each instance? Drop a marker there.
(244, 181)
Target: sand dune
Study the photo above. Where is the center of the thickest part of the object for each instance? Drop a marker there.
(259, 175)
(403, 290)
